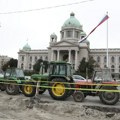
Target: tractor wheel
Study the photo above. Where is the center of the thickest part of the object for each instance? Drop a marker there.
(109, 98)
(58, 89)
(29, 89)
(78, 96)
(2, 87)
(12, 89)
(41, 91)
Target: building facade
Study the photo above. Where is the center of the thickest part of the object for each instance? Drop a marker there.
(69, 48)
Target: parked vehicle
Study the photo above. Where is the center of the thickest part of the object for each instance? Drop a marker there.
(93, 87)
(13, 80)
(78, 78)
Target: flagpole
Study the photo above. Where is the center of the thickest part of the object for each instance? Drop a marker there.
(107, 45)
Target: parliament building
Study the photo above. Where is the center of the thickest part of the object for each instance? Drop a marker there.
(68, 48)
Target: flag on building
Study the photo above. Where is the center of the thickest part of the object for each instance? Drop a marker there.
(103, 20)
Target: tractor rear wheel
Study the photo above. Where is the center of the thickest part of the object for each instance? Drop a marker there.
(12, 89)
(109, 98)
(58, 89)
(29, 89)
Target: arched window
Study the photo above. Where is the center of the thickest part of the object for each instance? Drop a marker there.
(119, 59)
(119, 68)
(76, 34)
(30, 58)
(105, 66)
(112, 68)
(62, 34)
(98, 59)
(35, 58)
(69, 34)
(112, 59)
(22, 65)
(22, 58)
(46, 58)
(30, 66)
(41, 57)
(105, 59)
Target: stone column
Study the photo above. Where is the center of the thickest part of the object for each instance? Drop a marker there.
(69, 56)
(73, 33)
(76, 59)
(58, 55)
(52, 55)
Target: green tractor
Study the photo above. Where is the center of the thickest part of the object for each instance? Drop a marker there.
(57, 81)
(13, 78)
(2, 86)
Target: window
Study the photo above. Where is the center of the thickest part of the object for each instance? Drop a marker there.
(69, 34)
(46, 58)
(22, 58)
(82, 37)
(105, 66)
(119, 59)
(41, 57)
(105, 59)
(98, 59)
(35, 58)
(119, 68)
(22, 65)
(62, 34)
(112, 59)
(30, 58)
(76, 34)
(112, 68)
(30, 66)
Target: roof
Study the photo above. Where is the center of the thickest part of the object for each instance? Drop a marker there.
(72, 21)
(26, 47)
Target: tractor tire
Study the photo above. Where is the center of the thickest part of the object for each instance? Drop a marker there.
(78, 96)
(2, 87)
(109, 98)
(41, 91)
(60, 93)
(29, 89)
(12, 89)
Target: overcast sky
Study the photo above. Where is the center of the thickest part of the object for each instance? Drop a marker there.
(37, 26)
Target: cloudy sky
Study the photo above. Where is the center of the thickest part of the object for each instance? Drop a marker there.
(33, 21)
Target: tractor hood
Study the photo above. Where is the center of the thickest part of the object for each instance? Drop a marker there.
(40, 76)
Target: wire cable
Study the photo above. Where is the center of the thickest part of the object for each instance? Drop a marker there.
(31, 10)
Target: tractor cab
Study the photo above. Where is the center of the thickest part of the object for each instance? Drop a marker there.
(14, 73)
(102, 76)
(60, 69)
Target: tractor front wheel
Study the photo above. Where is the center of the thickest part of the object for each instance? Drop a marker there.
(108, 97)
(42, 90)
(58, 89)
(12, 88)
(29, 89)
(78, 96)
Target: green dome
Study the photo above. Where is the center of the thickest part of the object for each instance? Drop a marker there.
(83, 33)
(72, 21)
(26, 47)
